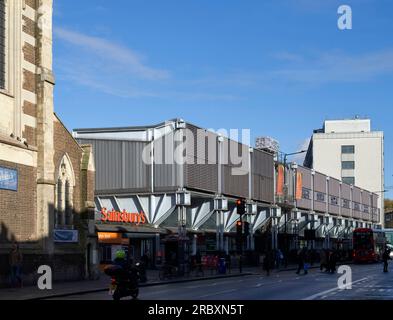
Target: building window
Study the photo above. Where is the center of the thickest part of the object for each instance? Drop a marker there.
(348, 165)
(366, 209)
(334, 201)
(64, 209)
(320, 197)
(346, 204)
(306, 194)
(349, 180)
(348, 149)
(2, 43)
(356, 206)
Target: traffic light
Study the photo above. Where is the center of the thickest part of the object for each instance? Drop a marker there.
(241, 207)
(239, 228)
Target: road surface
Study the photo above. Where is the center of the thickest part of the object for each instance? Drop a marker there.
(368, 282)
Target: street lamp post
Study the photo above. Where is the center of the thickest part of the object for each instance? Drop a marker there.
(286, 155)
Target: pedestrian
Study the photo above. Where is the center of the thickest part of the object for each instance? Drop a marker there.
(386, 258)
(307, 260)
(267, 263)
(300, 260)
(198, 263)
(333, 262)
(279, 258)
(323, 257)
(146, 259)
(16, 260)
(228, 262)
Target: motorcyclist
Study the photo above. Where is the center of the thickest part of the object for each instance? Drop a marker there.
(126, 277)
(130, 271)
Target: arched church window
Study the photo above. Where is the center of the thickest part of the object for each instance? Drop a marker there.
(64, 208)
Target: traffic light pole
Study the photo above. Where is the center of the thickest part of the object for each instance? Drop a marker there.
(241, 248)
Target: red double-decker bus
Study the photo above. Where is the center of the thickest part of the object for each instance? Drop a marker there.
(368, 245)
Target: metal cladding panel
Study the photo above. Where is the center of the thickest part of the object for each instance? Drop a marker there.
(236, 169)
(357, 195)
(119, 165)
(334, 187)
(304, 204)
(320, 182)
(319, 206)
(262, 168)
(108, 163)
(346, 191)
(334, 209)
(201, 168)
(366, 198)
(375, 200)
(307, 177)
(136, 173)
(165, 164)
(234, 185)
(357, 198)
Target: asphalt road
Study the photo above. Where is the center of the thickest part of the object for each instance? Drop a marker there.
(368, 282)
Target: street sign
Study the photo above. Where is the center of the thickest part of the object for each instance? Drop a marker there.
(8, 179)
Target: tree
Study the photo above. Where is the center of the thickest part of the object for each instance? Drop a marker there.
(388, 204)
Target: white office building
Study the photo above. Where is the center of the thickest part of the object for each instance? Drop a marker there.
(350, 151)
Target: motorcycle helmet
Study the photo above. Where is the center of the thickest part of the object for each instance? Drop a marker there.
(120, 254)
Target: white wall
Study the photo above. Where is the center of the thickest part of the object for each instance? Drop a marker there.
(369, 166)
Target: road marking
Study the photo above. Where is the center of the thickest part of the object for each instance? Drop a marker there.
(217, 293)
(324, 293)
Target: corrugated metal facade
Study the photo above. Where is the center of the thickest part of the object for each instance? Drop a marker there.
(320, 197)
(262, 169)
(334, 196)
(166, 167)
(119, 166)
(346, 200)
(121, 169)
(236, 169)
(357, 200)
(201, 169)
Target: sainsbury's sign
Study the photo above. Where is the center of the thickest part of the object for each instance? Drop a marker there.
(123, 217)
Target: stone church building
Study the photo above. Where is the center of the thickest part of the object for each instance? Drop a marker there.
(46, 177)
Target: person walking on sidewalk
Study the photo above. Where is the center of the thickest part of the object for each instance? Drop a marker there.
(301, 256)
(386, 258)
(16, 260)
(324, 259)
(267, 262)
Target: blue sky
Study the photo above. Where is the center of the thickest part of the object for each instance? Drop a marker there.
(277, 67)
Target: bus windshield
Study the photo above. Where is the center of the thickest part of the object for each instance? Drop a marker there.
(363, 240)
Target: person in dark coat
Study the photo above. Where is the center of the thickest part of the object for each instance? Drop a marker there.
(333, 258)
(267, 263)
(386, 258)
(301, 256)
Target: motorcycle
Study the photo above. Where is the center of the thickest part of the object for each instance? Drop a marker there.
(124, 282)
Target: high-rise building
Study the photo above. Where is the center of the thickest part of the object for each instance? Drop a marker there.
(350, 151)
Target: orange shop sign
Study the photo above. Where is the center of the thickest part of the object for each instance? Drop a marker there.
(104, 236)
(123, 217)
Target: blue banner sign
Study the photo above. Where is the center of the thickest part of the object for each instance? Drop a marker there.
(8, 179)
(66, 236)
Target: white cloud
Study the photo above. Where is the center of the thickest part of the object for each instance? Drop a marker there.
(111, 53)
(337, 67)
